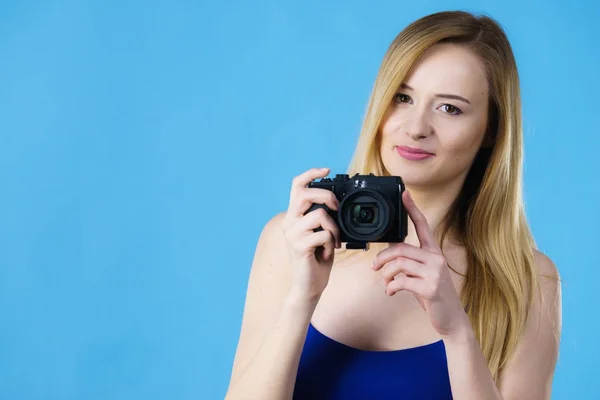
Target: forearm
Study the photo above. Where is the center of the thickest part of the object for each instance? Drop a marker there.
(470, 377)
(271, 374)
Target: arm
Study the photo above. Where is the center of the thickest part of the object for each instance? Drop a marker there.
(529, 372)
(274, 325)
(424, 272)
(470, 377)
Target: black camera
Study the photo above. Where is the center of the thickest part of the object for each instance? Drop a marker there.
(371, 209)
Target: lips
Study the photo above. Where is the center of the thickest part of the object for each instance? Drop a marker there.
(413, 150)
(413, 154)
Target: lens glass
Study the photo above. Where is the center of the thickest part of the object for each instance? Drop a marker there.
(364, 214)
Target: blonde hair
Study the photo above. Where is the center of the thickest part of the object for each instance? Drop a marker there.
(488, 214)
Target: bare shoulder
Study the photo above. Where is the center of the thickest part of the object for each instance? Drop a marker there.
(545, 266)
(270, 272)
(530, 371)
(550, 282)
(271, 254)
(274, 224)
(548, 304)
(268, 284)
(547, 301)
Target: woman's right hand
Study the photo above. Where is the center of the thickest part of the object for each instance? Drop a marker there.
(311, 252)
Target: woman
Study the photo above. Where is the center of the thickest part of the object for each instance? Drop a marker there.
(466, 307)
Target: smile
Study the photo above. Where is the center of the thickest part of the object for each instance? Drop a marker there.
(413, 154)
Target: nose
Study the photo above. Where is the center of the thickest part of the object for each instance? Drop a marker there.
(417, 125)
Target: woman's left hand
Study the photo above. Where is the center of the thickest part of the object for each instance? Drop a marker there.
(424, 272)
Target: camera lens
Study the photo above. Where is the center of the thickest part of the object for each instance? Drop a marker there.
(364, 214)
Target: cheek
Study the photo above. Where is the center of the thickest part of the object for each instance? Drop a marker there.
(386, 130)
(392, 123)
(462, 148)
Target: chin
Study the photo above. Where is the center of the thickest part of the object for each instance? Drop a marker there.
(410, 177)
(417, 180)
(412, 173)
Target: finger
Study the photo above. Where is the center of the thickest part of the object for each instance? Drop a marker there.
(414, 285)
(399, 250)
(421, 225)
(402, 265)
(328, 247)
(317, 239)
(305, 198)
(300, 181)
(319, 218)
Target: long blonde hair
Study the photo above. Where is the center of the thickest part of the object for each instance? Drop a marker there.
(488, 214)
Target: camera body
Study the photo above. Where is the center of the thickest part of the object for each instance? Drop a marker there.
(371, 209)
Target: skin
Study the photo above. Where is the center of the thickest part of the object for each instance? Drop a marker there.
(451, 129)
(409, 284)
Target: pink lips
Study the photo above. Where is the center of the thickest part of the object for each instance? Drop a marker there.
(413, 154)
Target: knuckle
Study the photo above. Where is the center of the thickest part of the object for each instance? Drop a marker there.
(396, 265)
(300, 192)
(397, 251)
(385, 273)
(336, 230)
(329, 236)
(388, 271)
(297, 180)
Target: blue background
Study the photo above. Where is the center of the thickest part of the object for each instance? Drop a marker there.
(145, 144)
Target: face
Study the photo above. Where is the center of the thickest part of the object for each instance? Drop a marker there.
(436, 122)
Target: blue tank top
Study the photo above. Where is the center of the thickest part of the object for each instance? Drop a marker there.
(331, 370)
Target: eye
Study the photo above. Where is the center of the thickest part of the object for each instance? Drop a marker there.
(401, 97)
(451, 109)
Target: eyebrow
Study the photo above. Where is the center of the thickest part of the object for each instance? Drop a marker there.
(442, 95)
